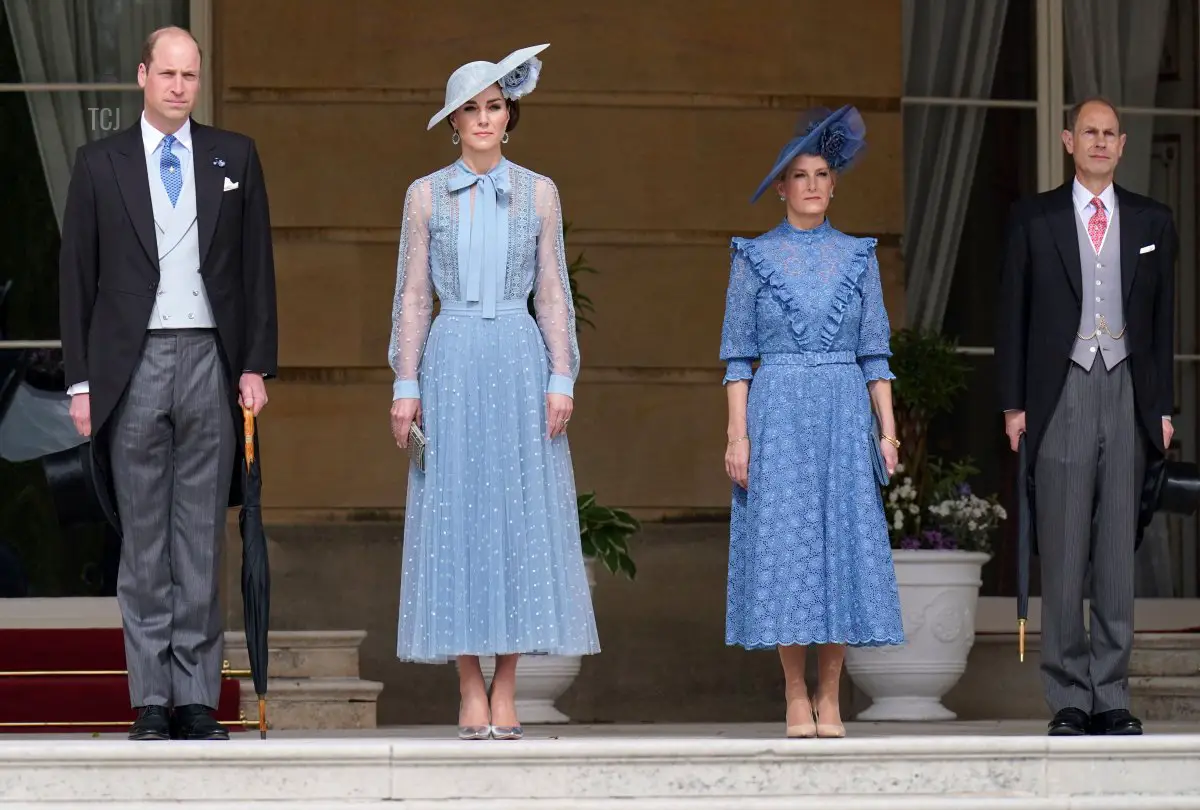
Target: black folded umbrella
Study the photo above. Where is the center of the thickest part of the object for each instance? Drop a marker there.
(256, 572)
(1025, 541)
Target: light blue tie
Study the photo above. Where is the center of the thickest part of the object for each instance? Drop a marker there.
(485, 245)
(169, 168)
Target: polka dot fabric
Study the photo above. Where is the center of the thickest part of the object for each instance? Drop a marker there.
(492, 562)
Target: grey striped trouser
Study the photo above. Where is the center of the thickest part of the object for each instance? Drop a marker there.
(1088, 482)
(173, 447)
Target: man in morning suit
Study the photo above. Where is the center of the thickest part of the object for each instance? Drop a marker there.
(1085, 357)
(168, 326)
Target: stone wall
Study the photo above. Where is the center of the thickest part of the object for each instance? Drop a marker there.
(657, 120)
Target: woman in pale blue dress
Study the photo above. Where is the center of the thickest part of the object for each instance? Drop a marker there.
(492, 558)
(809, 556)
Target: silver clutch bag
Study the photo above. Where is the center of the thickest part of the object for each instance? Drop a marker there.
(416, 446)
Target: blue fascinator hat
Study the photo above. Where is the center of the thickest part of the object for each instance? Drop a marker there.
(839, 137)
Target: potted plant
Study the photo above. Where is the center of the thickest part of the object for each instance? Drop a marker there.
(940, 533)
(604, 533)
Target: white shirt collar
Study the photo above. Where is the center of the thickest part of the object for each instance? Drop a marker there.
(1083, 198)
(151, 137)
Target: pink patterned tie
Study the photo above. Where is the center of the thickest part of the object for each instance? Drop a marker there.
(1098, 224)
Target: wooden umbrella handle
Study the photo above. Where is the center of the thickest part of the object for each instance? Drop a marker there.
(248, 428)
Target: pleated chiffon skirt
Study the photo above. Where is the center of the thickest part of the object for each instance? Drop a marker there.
(492, 562)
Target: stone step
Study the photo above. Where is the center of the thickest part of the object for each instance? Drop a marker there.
(315, 703)
(896, 773)
(302, 653)
(1175, 699)
(839, 802)
(1166, 654)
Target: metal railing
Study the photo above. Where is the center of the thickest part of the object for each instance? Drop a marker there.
(30, 344)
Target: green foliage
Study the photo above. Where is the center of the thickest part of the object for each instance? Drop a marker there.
(930, 373)
(604, 531)
(605, 534)
(929, 503)
(583, 305)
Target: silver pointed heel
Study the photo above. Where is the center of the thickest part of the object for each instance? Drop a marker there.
(503, 732)
(474, 732)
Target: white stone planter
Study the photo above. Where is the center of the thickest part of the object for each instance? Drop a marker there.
(542, 679)
(938, 594)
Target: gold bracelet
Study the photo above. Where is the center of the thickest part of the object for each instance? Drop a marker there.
(892, 440)
(735, 441)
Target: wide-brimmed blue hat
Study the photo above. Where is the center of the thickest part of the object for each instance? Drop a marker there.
(839, 137)
(517, 74)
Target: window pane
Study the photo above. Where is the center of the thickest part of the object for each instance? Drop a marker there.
(1168, 561)
(40, 133)
(1154, 64)
(96, 43)
(982, 49)
(972, 429)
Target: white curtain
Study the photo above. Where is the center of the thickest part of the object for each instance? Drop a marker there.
(950, 49)
(79, 42)
(1113, 49)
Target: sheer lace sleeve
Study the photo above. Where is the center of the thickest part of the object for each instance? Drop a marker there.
(552, 292)
(412, 307)
(739, 332)
(874, 331)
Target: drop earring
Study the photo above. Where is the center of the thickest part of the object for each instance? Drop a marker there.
(504, 138)
(454, 139)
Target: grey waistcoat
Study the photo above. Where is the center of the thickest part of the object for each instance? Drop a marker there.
(182, 301)
(1101, 294)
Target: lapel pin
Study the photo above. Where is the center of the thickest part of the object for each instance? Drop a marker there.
(218, 162)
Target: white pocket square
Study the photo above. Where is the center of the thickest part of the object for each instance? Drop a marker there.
(1146, 249)
(230, 185)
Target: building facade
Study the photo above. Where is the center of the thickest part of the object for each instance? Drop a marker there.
(656, 120)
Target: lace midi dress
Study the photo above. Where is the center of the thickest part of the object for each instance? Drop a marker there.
(809, 556)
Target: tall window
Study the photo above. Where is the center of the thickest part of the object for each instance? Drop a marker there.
(68, 75)
(987, 84)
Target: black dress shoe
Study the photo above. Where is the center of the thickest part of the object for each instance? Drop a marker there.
(151, 724)
(1117, 722)
(1069, 723)
(194, 722)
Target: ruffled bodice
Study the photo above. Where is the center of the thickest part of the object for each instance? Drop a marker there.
(815, 292)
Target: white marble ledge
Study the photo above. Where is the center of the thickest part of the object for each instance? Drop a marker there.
(1076, 774)
(15, 749)
(830, 802)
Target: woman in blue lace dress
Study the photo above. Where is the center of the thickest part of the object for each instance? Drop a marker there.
(492, 558)
(809, 557)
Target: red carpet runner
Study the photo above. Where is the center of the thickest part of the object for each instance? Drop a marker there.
(64, 681)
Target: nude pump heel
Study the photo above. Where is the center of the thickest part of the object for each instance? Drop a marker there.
(830, 729)
(805, 729)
